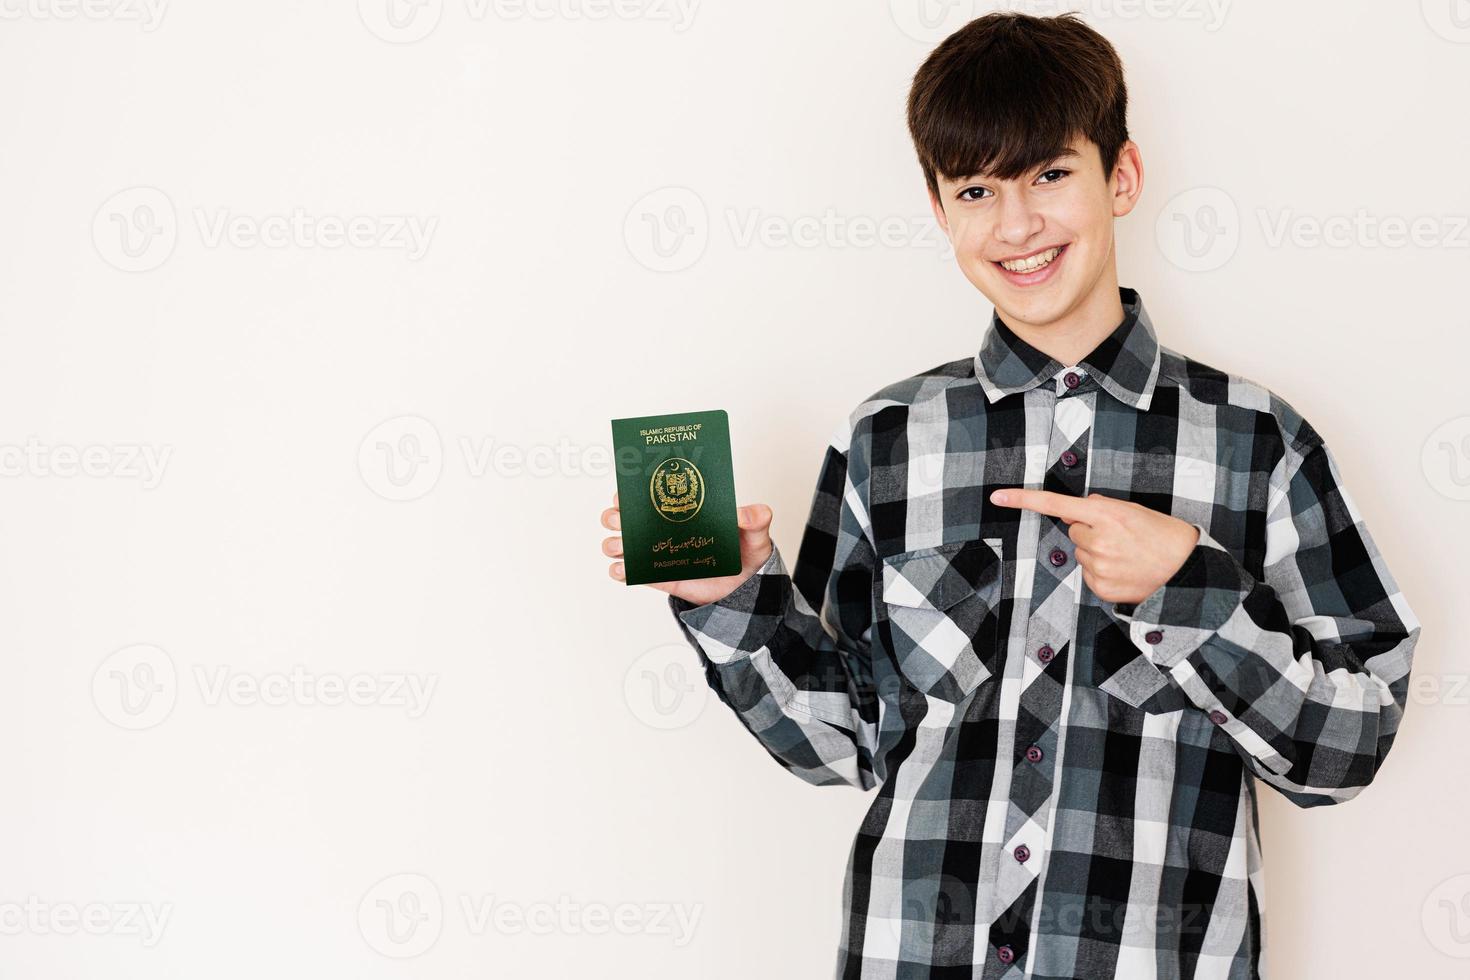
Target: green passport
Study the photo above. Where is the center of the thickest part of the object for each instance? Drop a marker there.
(676, 497)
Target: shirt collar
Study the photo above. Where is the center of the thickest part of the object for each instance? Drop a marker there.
(1125, 363)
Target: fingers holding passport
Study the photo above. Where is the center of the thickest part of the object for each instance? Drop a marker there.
(613, 546)
(754, 523)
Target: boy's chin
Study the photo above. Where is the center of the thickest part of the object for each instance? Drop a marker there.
(1032, 304)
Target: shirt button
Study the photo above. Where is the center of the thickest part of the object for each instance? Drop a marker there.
(1058, 557)
(1022, 852)
(1005, 954)
(1033, 754)
(1072, 379)
(1219, 717)
(1069, 458)
(1154, 636)
(1045, 654)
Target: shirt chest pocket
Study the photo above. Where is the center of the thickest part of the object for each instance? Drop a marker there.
(1121, 671)
(938, 612)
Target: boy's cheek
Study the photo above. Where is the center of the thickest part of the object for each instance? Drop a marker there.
(966, 239)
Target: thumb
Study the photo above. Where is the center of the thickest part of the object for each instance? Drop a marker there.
(755, 522)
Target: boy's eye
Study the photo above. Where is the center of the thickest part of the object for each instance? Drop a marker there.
(978, 193)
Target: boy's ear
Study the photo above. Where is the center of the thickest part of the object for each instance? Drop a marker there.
(1129, 177)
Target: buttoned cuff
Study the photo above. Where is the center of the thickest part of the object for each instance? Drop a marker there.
(744, 620)
(1181, 615)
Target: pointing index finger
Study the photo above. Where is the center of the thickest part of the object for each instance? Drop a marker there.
(1062, 505)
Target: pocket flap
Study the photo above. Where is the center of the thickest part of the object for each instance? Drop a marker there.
(1123, 671)
(1136, 682)
(939, 577)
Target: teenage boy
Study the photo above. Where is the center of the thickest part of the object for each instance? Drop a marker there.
(1066, 600)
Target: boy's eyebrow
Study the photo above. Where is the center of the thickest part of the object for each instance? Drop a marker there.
(1065, 154)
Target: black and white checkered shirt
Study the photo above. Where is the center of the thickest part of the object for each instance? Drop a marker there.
(1066, 786)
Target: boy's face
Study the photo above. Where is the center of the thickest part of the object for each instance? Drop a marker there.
(1066, 204)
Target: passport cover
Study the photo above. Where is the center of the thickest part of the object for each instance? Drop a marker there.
(676, 497)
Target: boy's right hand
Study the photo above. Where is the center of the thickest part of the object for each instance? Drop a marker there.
(755, 547)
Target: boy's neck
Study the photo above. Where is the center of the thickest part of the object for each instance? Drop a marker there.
(1073, 336)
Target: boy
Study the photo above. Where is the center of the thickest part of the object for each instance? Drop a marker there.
(1064, 601)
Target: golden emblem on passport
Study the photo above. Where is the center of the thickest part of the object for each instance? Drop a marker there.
(677, 490)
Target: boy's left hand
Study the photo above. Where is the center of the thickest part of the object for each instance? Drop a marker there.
(1125, 549)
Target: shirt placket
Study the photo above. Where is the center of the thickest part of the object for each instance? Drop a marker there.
(1050, 638)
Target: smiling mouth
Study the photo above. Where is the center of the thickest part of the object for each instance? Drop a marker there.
(1032, 263)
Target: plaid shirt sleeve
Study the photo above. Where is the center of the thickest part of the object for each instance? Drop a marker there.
(790, 654)
(1306, 668)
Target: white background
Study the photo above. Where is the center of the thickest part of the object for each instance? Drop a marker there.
(171, 631)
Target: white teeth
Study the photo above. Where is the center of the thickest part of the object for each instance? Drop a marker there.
(1033, 263)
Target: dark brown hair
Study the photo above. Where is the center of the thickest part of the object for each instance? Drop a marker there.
(1008, 91)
